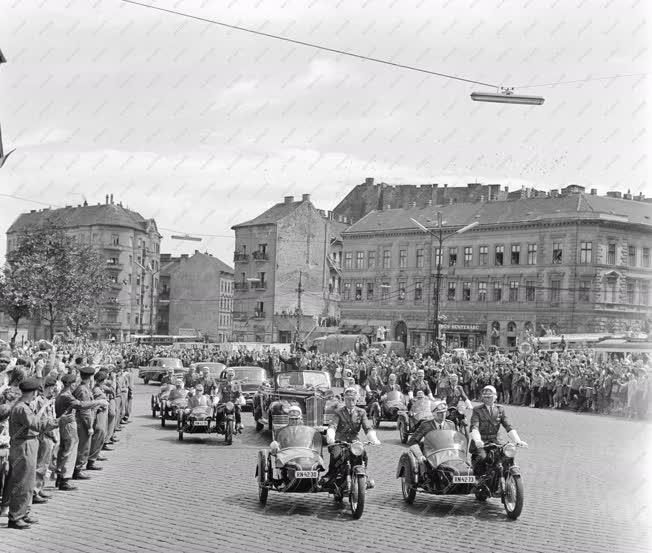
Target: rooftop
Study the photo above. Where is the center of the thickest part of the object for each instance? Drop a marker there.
(577, 206)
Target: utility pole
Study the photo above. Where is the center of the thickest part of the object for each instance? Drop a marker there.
(142, 289)
(298, 312)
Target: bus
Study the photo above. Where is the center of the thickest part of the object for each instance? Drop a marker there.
(162, 339)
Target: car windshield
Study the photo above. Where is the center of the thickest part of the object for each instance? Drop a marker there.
(250, 375)
(299, 436)
(444, 445)
(395, 397)
(215, 369)
(170, 363)
(304, 378)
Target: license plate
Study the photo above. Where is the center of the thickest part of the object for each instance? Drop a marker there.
(463, 479)
(306, 474)
(200, 423)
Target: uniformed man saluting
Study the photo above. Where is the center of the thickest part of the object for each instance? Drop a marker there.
(24, 428)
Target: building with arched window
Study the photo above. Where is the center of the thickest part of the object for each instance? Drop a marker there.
(567, 263)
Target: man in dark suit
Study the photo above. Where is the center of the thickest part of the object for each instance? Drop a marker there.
(486, 421)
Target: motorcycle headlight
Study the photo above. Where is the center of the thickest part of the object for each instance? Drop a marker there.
(509, 450)
(229, 406)
(357, 449)
(273, 447)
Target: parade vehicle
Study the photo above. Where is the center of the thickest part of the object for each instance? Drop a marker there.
(340, 343)
(458, 418)
(440, 466)
(294, 464)
(408, 421)
(219, 419)
(214, 369)
(310, 390)
(250, 379)
(170, 409)
(387, 409)
(158, 367)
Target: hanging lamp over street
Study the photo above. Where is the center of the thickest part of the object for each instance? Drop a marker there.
(507, 96)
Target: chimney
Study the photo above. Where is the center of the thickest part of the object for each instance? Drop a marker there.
(288, 199)
(507, 189)
(369, 181)
(111, 199)
(85, 203)
(305, 197)
(106, 199)
(446, 185)
(594, 191)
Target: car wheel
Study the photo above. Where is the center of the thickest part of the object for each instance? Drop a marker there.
(261, 477)
(181, 435)
(163, 420)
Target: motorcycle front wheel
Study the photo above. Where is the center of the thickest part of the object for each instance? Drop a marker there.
(403, 433)
(263, 491)
(357, 495)
(228, 433)
(513, 496)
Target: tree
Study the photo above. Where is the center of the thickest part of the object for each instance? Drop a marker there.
(15, 299)
(66, 280)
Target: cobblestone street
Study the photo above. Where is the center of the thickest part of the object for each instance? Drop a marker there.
(586, 489)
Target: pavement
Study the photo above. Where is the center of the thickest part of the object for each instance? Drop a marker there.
(587, 489)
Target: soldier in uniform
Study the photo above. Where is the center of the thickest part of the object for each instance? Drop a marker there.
(486, 421)
(84, 417)
(229, 390)
(24, 428)
(128, 392)
(345, 426)
(99, 422)
(68, 438)
(438, 422)
(47, 440)
(108, 387)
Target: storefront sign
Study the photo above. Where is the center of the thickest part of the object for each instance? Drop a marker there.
(468, 327)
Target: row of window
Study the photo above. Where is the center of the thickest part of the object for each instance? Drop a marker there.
(494, 291)
(514, 256)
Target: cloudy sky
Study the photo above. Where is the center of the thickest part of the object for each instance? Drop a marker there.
(202, 127)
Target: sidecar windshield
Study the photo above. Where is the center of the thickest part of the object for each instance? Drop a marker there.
(394, 397)
(299, 436)
(444, 445)
(421, 406)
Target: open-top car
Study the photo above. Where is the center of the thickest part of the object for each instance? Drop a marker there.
(214, 369)
(310, 390)
(158, 367)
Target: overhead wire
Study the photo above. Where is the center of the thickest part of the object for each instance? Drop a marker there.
(362, 56)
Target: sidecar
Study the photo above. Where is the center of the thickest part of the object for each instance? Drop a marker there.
(388, 409)
(198, 421)
(170, 409)
(438, 466)
(292, 464)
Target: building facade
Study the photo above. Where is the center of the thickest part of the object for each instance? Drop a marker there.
(283, 272)
(201, 297)
(570, 263)
(131, 246)
(169, 263)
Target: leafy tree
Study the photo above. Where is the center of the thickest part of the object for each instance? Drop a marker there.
(66, 280)
(15, 299)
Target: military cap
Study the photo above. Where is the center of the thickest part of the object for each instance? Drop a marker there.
(87, 371)
(101, 376)
(29, 385)
(69, 379)
(50, 381)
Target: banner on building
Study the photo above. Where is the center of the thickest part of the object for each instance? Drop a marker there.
(285, 349)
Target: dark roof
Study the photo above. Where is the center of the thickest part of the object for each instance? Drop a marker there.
(84, 216)
(218, 263)
(271, 216)
(576, 206)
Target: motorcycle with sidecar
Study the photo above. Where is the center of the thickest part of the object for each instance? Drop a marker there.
(387, 408)
(409, 420)
(440, 466)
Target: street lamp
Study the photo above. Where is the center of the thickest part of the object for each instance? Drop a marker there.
(440, 238)
(506, 96)
(151, 298)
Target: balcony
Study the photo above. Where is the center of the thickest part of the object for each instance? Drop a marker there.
(116, 286)
(259, 314)
(240, 257)
(112, 247)
(260, 256)
(240, 286)
(114, 266)
(259, 285)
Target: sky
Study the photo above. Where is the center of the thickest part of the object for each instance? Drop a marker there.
(202, 127)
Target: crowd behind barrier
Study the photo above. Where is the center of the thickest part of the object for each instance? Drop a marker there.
(62, 405)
